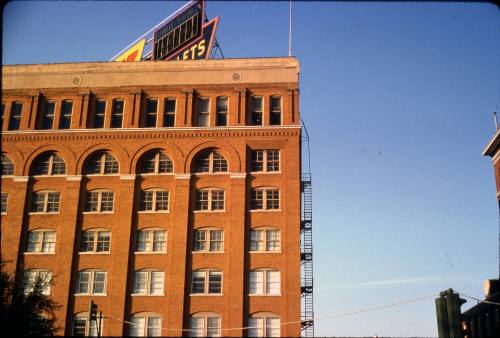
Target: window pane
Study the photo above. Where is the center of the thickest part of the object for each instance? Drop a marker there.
(5, 197)
(215, 282)
(151, 109)
(203, 114)
(216, 241)
(272, 199)
(156, 284)
(107, 201)
(200, 240)
(79, 325)
(140, 282)
(257, 160)
(217, 200)
(203, 163)
(257, 201)
(53, 202)
(275, 110)
(147, 200)
(87, 241)
(66, 111)
(165, 164)
(213, 327)
(92, 201)
(255, 327)
(273, 160)
(15, 115)
(273, 282)
(198, 285)
(103, 241)
(219, 162)
(83, 282)
(256, 284)
(142, 241)
(160, 241)
(38, 202)
(196, 327)
(201, 200)
(7, 166)
(256, 240)
(137, 326)
(47, 115)
(154, 327)
(49, 241)
(110, 164)
(99, 282)
(256, 117)
(117, 114)
(42, 165)
(148, 163)
(169, 116)
(273, 240)
(221, 111)
(272, 327)
(100, 110)
(58, 166)
(161, 200)
(34, 241)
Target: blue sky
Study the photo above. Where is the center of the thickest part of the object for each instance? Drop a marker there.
(398, 101)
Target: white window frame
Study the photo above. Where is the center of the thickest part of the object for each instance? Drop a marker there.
(221, 112)
(206, 285)
(203, 330)
(96, 233)
(155, 192)
(40, 243)
(166, 113)
(115, 114)
(264, 191)
(91, 282)
(145, 325)
(99, 193)
(90, 326)
(210, 200)
(265, 161)
(265, 275)
(30, 276)
(200, 113)
(150, 242)
(149, 283)
(208, 240)
(253, 111)
(271, 111)
(265, 240)
(263, 326)
(45, 202)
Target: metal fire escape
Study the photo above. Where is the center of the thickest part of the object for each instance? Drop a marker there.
(306, 244)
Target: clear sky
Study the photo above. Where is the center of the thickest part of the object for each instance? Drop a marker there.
(398, 101)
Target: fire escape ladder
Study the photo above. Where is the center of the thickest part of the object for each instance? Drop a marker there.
(306, 250)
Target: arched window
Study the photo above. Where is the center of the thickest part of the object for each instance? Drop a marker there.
(210, 162)
(101, 163)
(156, 162)
(145, 324)
(48, 164)
(264, 325)
(7, 165)
(204, 324)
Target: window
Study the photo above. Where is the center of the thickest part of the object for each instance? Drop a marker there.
(66, 112)
(265, 160)
(169, 113)
(117, 114)
(42, 241)
(7, 166)
(265, 199)
(5, 197)
(95, 241)
(145, 325)
(151, 240)
(45, 201)
(47, 117)
(210, 162)
(264, 282)
(264, 325)
(15, 115)
(102, 163)
(256, 116)
(208, 240)
(154, 200)
(275, 110)
(206, 282)
(3, 113)
(99, 201)
(36, 279)
(148, 282)
(100, 111)
(91, 282)
(82, 327)
(209, 199)
(156, 162)
(49, 164)
(264, 240)
(203, 112)
(221, 116)
(204, 325)
(151, 112)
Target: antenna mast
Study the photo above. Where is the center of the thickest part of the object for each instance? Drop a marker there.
(290, 29)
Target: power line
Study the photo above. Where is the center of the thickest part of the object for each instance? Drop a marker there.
(479, 300)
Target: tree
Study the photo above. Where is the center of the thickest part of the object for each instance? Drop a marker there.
(26, 310)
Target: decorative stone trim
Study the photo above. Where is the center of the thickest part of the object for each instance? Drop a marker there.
(21, 178)
(74, 177)
(127, 177)
(238, 175)
(182, 176)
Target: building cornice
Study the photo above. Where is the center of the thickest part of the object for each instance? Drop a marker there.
(492, 147)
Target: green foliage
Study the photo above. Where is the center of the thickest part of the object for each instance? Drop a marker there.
(26, 310)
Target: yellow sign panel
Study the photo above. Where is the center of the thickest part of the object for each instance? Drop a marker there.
(134, 53)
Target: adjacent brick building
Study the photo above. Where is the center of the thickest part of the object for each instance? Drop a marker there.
(167, 192)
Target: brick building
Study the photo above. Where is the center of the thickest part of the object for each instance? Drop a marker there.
(166, 192)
